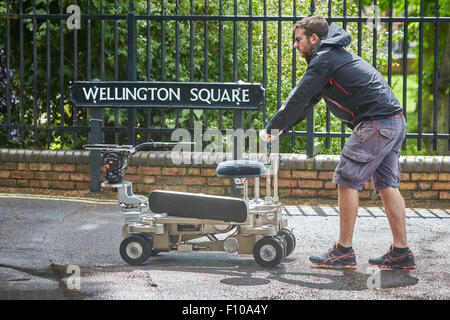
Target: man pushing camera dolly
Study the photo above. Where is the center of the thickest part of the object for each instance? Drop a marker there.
(357, 94)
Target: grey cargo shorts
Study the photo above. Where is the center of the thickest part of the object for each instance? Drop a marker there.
(372, 151)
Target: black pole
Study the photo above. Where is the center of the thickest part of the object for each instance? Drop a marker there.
(310, 134)
(131, 71)
(238, 123)
(95, 137)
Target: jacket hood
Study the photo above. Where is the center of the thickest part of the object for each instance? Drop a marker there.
(336, 37)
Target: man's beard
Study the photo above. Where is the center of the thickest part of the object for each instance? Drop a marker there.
(307, 50)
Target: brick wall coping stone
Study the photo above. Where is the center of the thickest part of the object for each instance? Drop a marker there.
(163, 158)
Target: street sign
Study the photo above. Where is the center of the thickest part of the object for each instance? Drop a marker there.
(192, 95)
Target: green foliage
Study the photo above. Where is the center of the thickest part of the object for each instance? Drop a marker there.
(243, 60)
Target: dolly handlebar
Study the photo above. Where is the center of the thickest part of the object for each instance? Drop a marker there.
(133, 149)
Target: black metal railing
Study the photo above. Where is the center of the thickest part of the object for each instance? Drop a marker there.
(201, 41)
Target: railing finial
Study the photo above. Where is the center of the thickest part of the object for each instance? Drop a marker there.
(131, 7)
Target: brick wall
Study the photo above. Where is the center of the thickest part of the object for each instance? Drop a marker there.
(67, 173)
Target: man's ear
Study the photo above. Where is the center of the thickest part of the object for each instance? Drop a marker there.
(314, 39)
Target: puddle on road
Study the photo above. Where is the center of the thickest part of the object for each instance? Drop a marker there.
(48, 284)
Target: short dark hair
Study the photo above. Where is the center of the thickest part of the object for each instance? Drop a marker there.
(313, 24)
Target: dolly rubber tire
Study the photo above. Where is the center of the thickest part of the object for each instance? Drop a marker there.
(135, 249)
(290, 240)
(268, 252)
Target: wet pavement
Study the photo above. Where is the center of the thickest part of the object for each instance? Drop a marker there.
(57, 248)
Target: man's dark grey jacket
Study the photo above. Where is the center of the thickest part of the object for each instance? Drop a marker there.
(352, 89)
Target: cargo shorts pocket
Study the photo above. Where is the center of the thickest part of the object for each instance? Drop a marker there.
(389, 133)
(388, 128)
(354, 165)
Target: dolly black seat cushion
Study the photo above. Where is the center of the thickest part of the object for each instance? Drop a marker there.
(200, 206)
(240, 169)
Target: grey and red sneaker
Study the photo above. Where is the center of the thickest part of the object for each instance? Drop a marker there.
(395, 259)
(335, 258)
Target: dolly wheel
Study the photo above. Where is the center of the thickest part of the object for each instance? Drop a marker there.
(268, 252)
(135, 250)
(290, 240)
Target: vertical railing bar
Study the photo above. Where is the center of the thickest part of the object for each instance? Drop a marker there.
(61, 70)
(163, 62)
(220, 58)
(312, 8)
(237, 114)
(191, 61)
(48, 85)
(327, 114)
(21, 88)
(75, 78)
(435, 77)
(177, 42)
(310, 116)
(149, 110)
(374, 35)
(116, 71)
(250, 52)
(205, 45)
(35, 106)
(405, 67)
(177, 57)
(390, 43)
(344, 26)
(235, 39)
(88, 39)
(148, 41)
(8, 66)
(420, 80)
(344, 15)
(131, 69)
(294, 60)
(280, 36)
(359, 27)
(88, 66)
(250, 40)
(102, 43)
(265, 60)
(206, 60)
(329, 9)
(22, 111)
(95, 125)
(102, 57)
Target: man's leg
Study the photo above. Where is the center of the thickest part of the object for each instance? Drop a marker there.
(399, 255)
(386, 180)
(342, 255)
(395, 212)
(348, 209)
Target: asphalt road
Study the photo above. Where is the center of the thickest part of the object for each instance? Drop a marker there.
(69, 249)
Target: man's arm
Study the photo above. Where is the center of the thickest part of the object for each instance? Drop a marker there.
(302, 98)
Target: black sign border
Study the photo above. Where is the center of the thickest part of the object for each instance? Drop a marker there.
(232, 106)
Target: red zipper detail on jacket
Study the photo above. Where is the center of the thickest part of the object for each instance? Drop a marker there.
(337, 84)
(375, 127)
(343, 108)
